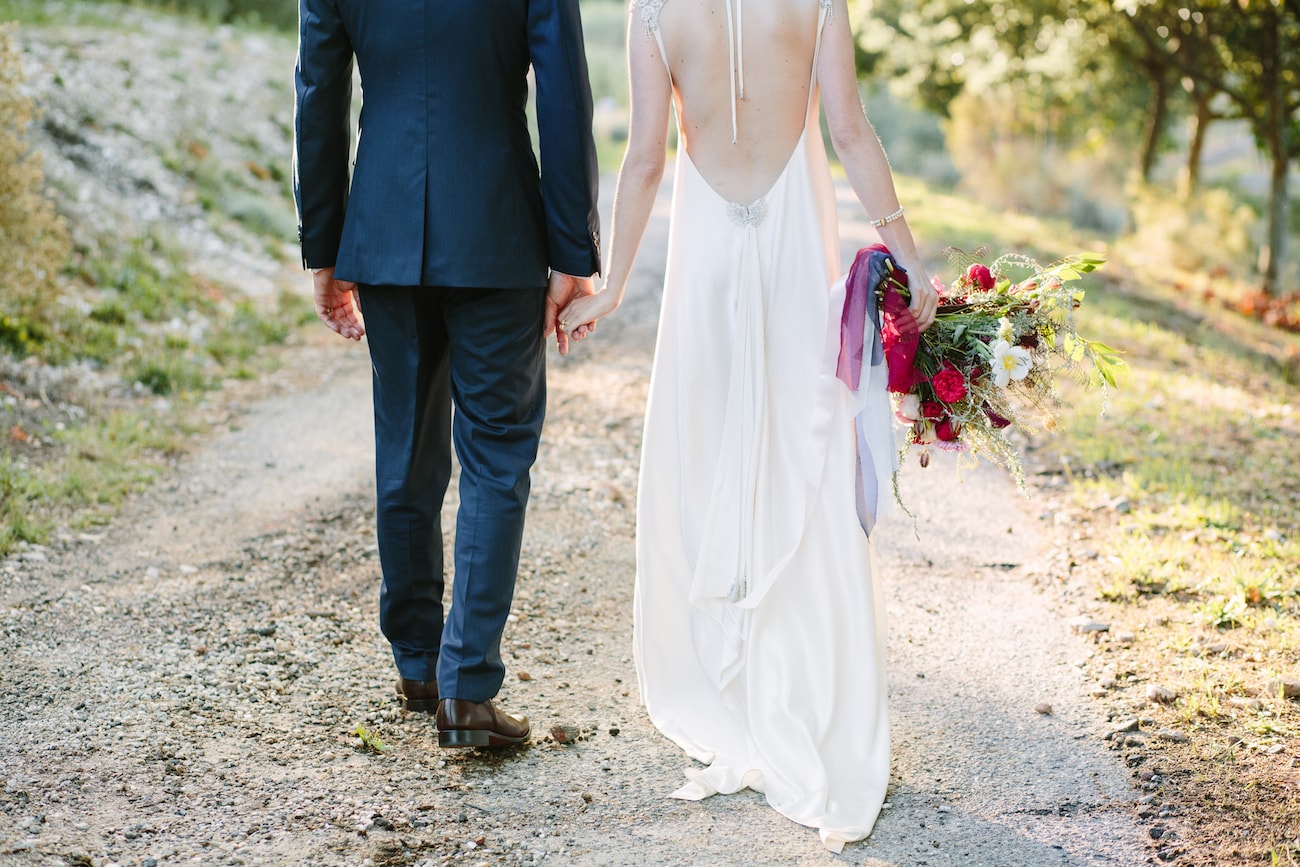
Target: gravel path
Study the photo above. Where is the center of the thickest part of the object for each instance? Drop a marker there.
(187, 686)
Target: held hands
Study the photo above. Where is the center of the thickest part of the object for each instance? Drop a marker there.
(336, 304)
(579, 317)
(560, 293)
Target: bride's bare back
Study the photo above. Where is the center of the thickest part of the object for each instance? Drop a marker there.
(771, 59)
(704, 52)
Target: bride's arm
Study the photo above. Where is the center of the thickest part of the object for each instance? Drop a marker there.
(864, 159)
(638, 177)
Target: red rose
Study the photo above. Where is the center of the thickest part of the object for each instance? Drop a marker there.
(947, 430)
(1029, 340)
(930, 409)
(949, 385)
(980, 275)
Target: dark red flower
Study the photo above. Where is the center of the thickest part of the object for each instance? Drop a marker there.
(1028, 340)
(998, 421)
(947, 430)
(931, 409)
(949, 385)
(980, 275)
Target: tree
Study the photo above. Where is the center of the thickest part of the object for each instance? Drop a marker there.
(1248, 51)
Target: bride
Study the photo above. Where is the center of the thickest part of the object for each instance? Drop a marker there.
(759, 637)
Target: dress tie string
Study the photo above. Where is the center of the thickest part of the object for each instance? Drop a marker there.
(736, 51)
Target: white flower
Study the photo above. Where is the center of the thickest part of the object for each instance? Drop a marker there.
(1009, 362)
(1006, 331)
(908, 409)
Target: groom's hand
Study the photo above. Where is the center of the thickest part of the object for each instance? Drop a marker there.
(561, 290)
(336, 304)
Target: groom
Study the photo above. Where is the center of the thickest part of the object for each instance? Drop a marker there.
(460, 253)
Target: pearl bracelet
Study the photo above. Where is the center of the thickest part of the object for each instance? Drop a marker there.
(891, 218)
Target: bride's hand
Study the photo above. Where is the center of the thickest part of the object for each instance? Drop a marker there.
(925, 299)
(580, 316)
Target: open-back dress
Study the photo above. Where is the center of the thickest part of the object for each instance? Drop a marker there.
(758, 626)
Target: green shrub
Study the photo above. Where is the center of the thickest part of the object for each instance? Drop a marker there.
(33, 236)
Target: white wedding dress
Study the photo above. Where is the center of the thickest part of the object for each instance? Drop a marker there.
(759, 635)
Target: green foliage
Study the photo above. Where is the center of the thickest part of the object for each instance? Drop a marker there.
(1009, 161)
(32, 235)
(279, 14)
(370, 740)
(1208, 231)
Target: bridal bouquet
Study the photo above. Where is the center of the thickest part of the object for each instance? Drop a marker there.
(1003, 333)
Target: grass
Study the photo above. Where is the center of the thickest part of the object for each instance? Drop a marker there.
(170, 335)
(1187, 492)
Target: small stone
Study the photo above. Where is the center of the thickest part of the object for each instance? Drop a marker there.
(1136, 739)
(1157, 694)
(563, 734)
(1172, 735)
(1285, 688)
(1043, 708)
(1125, 637)
(613, 731)
(1085, 625)
(523, 675)
(1156, 832)
(1244, 702)
(587, 796)
(1131, 724)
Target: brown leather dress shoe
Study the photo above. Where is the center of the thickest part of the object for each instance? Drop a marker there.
(418, 695)
(478, 724)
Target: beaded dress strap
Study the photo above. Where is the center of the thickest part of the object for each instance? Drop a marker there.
(650, 18)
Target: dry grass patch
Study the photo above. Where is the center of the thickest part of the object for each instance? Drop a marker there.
(1184, 505)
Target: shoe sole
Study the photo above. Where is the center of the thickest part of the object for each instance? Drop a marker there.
(462, 738)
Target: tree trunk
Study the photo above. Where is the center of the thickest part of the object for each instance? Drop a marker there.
(1155, 119)
(1275, 135)
(1278, 215)
(1200, 122)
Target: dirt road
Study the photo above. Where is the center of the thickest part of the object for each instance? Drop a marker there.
(187, 686)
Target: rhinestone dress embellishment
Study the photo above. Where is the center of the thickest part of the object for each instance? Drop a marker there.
(650, 14)
(747, 215)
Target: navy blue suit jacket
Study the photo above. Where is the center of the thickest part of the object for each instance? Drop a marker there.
(445, 190)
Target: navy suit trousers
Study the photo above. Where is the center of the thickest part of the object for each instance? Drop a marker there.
(480, 351)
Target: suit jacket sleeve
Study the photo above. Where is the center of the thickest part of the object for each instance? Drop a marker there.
(570, 176)
(323, 86)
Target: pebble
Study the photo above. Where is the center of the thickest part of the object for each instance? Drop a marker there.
(1172, 735)
(1085, 625)
(1244, 702)
(1131, 724)
(1285, 688)
(1157, 694)
(1043, 708)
